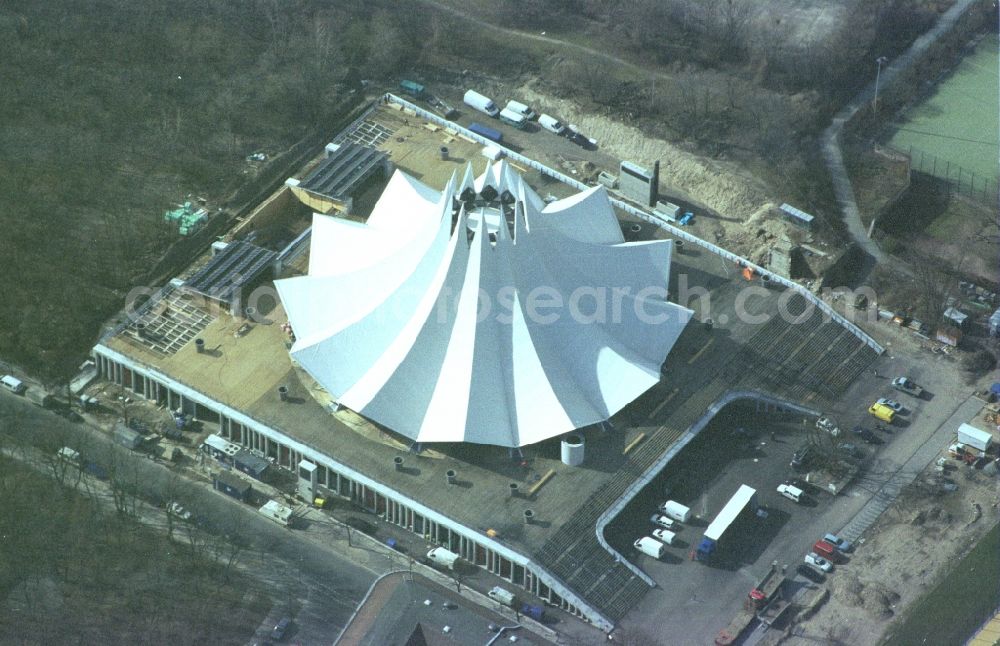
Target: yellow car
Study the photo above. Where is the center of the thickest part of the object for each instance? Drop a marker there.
(882, 412)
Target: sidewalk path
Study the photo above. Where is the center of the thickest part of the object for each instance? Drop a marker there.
(831, 136)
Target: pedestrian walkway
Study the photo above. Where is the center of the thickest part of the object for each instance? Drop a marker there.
(989, 634)
(908, 472)
(831, 136)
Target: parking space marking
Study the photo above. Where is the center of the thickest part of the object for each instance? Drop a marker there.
(663, 403)
(703, 348)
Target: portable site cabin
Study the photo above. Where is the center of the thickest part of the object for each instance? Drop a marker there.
(251, 464)
(974, 437)
(231, 485)
(220, 448)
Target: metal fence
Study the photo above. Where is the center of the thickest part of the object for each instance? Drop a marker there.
(961, 180)
(647, 217)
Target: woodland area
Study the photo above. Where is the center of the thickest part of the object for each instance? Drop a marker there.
(113, 110)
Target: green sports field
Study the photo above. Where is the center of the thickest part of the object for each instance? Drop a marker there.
(957, 123)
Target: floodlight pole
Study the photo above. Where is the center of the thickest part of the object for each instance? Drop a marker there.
(878, 72)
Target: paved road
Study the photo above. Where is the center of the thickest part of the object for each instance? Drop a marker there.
(317, 587)
(831, 136)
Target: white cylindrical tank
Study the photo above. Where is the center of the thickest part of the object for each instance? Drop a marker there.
(572, 450)
(676, 510)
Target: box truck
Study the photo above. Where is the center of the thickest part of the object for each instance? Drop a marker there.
(676, 510)
(484, 104)
(650, 547)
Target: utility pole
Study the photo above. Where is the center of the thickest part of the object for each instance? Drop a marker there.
(881, 60)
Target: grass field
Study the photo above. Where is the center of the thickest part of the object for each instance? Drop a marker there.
(958, 121)
(952, 611)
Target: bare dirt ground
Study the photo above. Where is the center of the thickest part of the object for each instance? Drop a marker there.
(722, 186)
(738, 210)
(910, 549)
(912, 545)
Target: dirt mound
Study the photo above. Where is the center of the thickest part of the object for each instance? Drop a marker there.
(724, 187)
(874, 597)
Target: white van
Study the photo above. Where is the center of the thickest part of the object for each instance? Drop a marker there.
(482, 103)
(790, 492)
(69, 455)
(523, 110)
(443, 557)
(650, 547)
(13, 384)
(676, 510)
(551, 124)
(515, 119)
(664, 535)
(500, 595)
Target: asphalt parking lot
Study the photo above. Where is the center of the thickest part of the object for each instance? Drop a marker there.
(702, 597)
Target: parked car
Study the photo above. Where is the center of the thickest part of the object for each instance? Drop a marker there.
(177, 510)
(665, 522)
(890, 403)
(905, 385)
(790, 492)
(841, 544)
(811, 573)
(280, 629)
(828, 425)
(867, 435)
(815, 560)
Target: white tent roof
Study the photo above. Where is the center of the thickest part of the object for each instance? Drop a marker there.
(522, 322)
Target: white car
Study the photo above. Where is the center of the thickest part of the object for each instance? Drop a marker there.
(891, 403)
(663, 521)
(828, 425)
(175, 509)
(817, 561)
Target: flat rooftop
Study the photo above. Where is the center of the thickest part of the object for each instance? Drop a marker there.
(748, 347)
